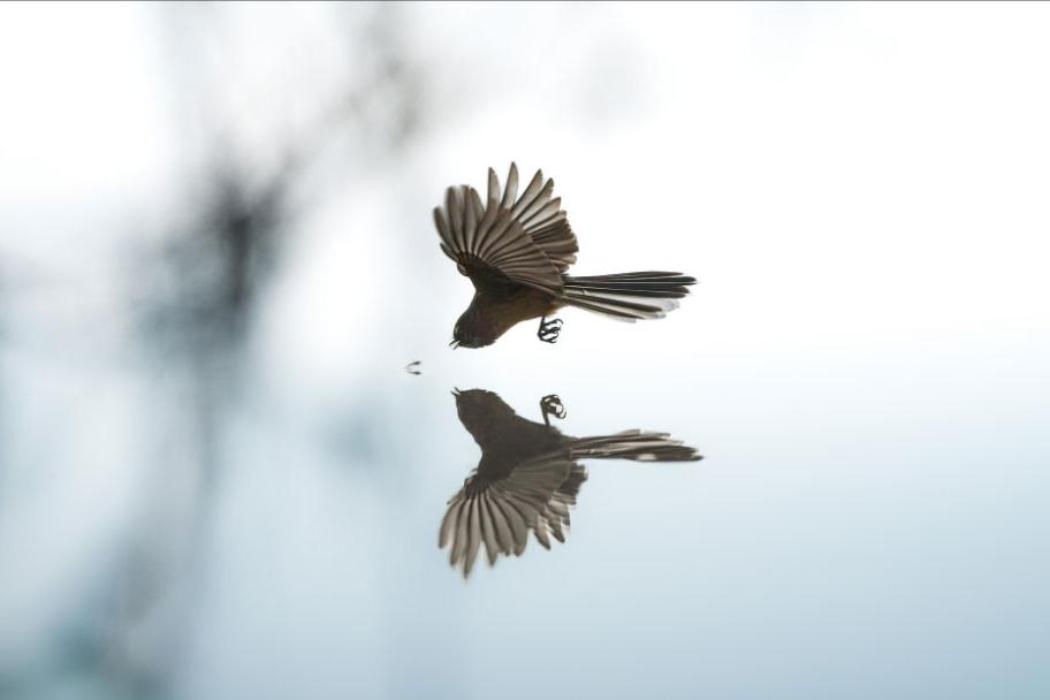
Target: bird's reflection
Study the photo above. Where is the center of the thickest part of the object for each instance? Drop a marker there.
(529, 476)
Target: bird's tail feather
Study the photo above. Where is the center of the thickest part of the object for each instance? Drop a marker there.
(633, 444)
(628, 296)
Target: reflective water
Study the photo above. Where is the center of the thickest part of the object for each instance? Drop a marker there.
(230, 429)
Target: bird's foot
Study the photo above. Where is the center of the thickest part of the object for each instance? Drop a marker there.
(549, 330)
(551, 405)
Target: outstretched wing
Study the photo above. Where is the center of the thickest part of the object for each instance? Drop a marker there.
(526, 239)
(541, 216)
(535, 497)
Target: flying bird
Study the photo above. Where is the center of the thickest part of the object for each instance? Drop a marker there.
(529, 476)
(517, 251)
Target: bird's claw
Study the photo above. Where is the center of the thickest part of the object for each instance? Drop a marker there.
(551, 405)
(549, 330)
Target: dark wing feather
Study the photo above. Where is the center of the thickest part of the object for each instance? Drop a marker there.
(526, 239)
(475, 236)
(542, 218)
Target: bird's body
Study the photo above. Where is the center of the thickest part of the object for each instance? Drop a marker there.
(517, 251)
(499, 304)
(528, 476)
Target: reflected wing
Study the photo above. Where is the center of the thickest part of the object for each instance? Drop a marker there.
(535, 497)
(527, 239)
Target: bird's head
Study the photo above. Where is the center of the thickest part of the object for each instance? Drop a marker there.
(471, 332)
(481, 412)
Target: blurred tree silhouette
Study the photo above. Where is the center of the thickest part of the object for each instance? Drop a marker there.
(196, 295)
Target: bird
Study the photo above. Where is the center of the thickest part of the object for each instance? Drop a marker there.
(529, 476)
(517, 251)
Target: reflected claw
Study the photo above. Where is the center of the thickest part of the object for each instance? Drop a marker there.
(551, 405)
(549, 330)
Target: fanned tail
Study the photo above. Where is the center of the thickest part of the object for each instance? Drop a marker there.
(629, 296)
(634, 444)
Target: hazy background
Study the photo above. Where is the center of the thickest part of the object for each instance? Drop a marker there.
(217, 255)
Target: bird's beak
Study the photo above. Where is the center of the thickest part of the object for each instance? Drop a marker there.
(454, 344)
(455, 391)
